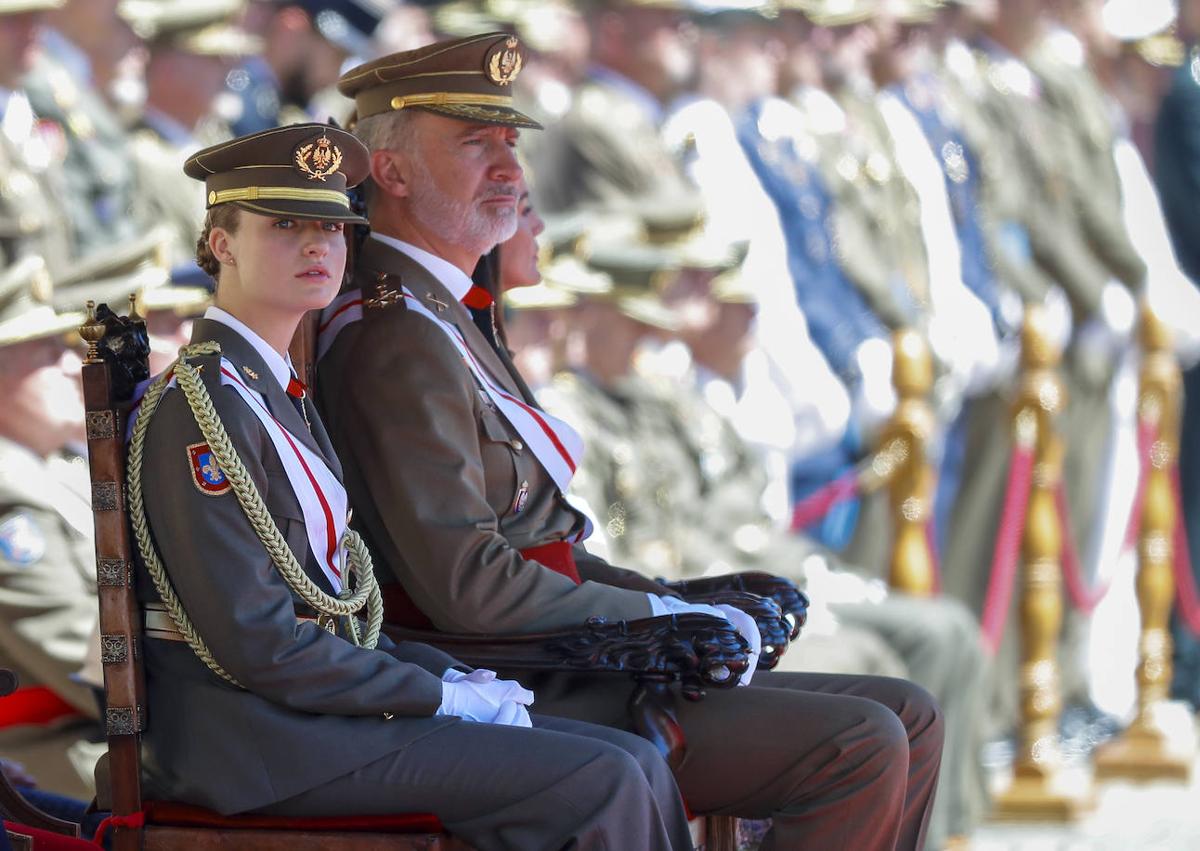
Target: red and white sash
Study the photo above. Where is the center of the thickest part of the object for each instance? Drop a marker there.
(322, 497)
(557, 446)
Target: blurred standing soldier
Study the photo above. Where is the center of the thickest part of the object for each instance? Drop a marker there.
(876, 211)
(94, 46)
(763, 195)
(607, 148)
(777, 142)
(1005, 180)
(305, 44)
(1177, 159)
(1087, 115)
(101, 193)
(32, 189)
(190, 49)
(908, 72)
(460, 482)
(894, 229)
(1029, 147)
(47, 562)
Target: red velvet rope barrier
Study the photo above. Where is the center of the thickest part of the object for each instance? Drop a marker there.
(1008, 546)
(819, 503)
(1186, 595)
(1082, 597)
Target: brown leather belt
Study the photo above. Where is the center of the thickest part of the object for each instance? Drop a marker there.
(158, 624)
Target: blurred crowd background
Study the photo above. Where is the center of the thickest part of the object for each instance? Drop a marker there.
(739, 218)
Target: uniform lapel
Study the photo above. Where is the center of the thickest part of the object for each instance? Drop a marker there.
(433, 296)
(253, 371)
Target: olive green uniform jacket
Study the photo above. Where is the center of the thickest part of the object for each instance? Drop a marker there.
(47, 603)
(312, 707)
(437, 475)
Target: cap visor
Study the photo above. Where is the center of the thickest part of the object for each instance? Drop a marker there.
(23, 330)
(501, 115)
(310, 210)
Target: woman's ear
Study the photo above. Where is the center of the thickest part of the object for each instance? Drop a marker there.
(219, 243)
(389, 172)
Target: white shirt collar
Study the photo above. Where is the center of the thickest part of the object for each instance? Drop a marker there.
(449, 276)
(280, 367)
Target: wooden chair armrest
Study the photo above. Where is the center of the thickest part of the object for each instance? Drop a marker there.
(773, 627)
(698, 651)
(13, 806)
(790, 599)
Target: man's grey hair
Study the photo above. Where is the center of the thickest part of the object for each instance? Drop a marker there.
(395, 129)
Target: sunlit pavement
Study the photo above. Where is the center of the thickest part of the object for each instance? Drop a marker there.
(1156, 816)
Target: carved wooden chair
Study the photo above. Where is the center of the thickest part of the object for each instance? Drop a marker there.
(26, 827)
(697, 651)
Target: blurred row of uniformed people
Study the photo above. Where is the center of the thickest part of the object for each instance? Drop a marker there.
(774, 187)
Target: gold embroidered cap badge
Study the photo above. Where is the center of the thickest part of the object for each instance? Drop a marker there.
(503, 62)
(318, 159)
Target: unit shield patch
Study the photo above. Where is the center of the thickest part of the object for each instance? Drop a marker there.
(207, 474)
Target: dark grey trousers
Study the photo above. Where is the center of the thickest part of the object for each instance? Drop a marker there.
(562, 785)
(837, 762)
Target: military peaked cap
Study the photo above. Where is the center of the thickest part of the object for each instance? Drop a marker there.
(300, 171)
(468, 78)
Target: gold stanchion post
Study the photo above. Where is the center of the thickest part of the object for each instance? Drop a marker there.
(1145, 751)
(1038, 789)
(904, 464)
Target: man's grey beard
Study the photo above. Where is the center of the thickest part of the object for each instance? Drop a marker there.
(462, 224)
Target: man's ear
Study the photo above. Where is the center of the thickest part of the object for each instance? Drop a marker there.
(389, 171)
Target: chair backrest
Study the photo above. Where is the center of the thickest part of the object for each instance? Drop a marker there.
(117, 359)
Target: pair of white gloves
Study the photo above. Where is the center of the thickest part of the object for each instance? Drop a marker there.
(741, 621)
(480, 696)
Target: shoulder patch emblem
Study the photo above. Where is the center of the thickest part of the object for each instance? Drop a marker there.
(21, 540)
(207, 475)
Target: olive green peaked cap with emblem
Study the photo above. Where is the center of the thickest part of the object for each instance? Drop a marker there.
(301, 171)
(468, 78)
(16, 7)
(25, 304)
(110, 276)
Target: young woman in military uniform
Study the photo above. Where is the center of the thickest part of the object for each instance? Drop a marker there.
(265, 690)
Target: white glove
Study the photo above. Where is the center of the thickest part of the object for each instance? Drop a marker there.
(748, 629)
(875, 397)
(660, 606)
(479, 696)
(741, 621)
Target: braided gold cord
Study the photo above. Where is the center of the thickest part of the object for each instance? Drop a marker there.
(366, 591)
